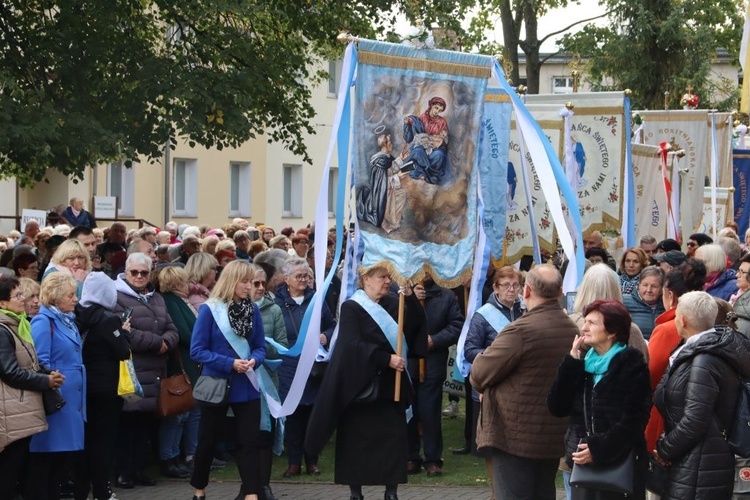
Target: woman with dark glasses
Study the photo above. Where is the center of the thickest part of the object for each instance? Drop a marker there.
(153, 335)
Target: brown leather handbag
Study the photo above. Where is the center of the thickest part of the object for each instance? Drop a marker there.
(175, 393)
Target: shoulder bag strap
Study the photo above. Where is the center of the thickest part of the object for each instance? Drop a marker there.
(589, 430)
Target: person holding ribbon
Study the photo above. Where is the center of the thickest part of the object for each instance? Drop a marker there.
(228, 341)
(357, 394)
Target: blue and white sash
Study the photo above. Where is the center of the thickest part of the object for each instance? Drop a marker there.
(259, 378)
(389, 328)
(494, 316)
(383, 319)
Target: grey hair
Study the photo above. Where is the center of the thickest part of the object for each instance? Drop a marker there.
(713, 257)
(699, 309)
(648, 240)
(274, 257)
(731, 247)
(294, 263)
(191, 230)
(138, 258)
(600, 282)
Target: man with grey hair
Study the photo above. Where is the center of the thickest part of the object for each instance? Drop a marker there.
(142, 246)
(694, 317)
(518, 368)
(732, 249)
(648, 245)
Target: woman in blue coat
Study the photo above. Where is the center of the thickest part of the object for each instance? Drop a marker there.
(60, 348)
(228, 341)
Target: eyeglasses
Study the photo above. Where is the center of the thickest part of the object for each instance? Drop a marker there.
(142, 274)
(508, 286)
(19, 296)
(692, 244)
(258, 284)
(301, 277)
(740, 271)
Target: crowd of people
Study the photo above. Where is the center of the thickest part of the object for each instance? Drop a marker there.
(633, 363)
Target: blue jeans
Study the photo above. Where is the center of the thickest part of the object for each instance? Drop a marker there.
(172, 430)
(566, 483)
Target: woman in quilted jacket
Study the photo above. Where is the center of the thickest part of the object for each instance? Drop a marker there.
(697, 398)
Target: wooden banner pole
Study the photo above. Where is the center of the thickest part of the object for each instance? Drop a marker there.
(399, 345)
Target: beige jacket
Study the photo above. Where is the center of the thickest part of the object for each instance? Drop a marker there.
(21, 410)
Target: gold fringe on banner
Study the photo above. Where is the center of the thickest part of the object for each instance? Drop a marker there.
(497, 98)
(413, 64)
(419, 276)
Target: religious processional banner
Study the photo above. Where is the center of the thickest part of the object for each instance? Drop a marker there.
(417, 125)
(594, 159)
(651, 204)
(723, 211)
(741, 170)
(690, 131)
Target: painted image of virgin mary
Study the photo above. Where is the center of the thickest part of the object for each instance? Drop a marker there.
(426, 136)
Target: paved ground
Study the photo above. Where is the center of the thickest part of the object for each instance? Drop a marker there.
(180, 490)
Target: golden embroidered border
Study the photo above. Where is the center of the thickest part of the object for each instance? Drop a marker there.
(409, 63)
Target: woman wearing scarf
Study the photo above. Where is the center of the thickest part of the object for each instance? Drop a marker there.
(228, 342)
(612, 380)
(59, 347)
(721, 280)
(152, 336)
(70, 258)
(20, 374)
(371, 444)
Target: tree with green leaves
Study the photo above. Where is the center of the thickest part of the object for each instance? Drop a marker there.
(658, 46)
(515, 16)
(85, 81)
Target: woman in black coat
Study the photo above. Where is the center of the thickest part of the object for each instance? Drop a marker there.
(697, 398)
(105, 345)
(612, 379)
(371, 445)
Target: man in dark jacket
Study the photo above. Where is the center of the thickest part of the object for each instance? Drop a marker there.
(444, 321)
(517, 369)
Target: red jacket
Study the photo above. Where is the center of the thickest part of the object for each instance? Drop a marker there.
(663, 340)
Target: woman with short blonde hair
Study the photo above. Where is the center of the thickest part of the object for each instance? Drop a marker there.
(30, 289)
(201, 271)
(71, 258)
(59, 346)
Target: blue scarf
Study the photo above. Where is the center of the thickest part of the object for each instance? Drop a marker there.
(68, 319)
(599, 364)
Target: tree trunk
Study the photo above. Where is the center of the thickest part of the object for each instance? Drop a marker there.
(530, 47)
(511, 28)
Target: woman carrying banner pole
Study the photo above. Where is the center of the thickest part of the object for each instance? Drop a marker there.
(356, 397)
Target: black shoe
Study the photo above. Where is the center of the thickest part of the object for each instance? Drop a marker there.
(390, 496)
(142, 479)
(124, 482)
(464, 450)
(217, 463)
(170, 468)
(356, 497)
(267, 494)
(202, 497)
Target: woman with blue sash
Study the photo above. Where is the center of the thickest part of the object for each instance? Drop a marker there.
(356, 397)
(228, 341)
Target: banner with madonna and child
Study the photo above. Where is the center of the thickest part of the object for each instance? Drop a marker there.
(428, 188)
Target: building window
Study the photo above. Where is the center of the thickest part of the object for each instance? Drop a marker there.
(333, 181)
(292, 191)
(121, 183)
(562, 85)
(334, 77)
(185, 193)
(239, 189)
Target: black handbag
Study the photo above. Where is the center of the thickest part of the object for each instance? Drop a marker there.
(657, 477)
(617, 476)
(53, 401)
(370, 393)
